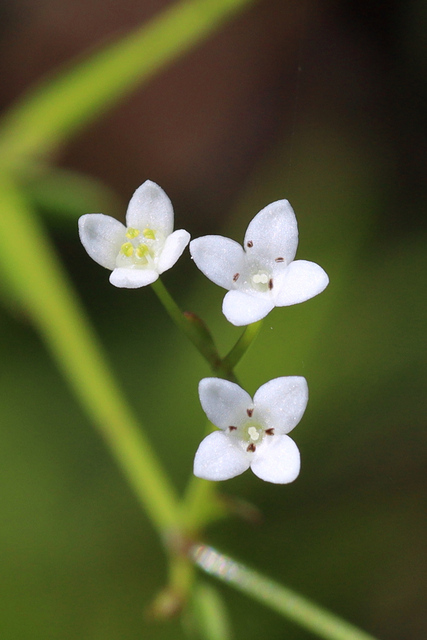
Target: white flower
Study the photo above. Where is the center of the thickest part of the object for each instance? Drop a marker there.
(142, 250)
(261, 275)
(252, 431)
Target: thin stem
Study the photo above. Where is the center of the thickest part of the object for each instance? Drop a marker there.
(195, 330)
(281, 599)
(242, 345)
(200, 504)
(45, 293)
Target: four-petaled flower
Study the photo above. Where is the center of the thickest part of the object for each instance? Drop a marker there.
(138, 253)
(263, 274)
(253, 432)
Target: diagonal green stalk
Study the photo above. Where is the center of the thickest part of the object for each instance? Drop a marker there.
(56, 109)
(275, 596)
(200, 503)
(242, 345)
(46, 295)
(195, 330)
(198, 333)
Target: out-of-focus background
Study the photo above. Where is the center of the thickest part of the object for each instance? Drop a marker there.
(319, 102)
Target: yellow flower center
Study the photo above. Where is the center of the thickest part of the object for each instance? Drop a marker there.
(141, 249)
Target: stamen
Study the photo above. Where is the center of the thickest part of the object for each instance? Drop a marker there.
(270, 432)
(279, 260)
(132, 233)
(142, 250)
(249, 244)
(232, 428)
(236, 276)
(249, 412)
(149, 234)
(127, 249)
(251, 447)
(270, 284)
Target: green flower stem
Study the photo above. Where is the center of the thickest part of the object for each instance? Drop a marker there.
(281, 599)
(173, 598)
(195, 330)
(55, 110)
(210, 613)
(242, 345)
(201, 504)
(35, 275)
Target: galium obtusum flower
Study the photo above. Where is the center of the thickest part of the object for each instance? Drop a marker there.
(252, 432)
(143, 249)
(262, 274)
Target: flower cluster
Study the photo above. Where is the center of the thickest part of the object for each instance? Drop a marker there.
(259, 276)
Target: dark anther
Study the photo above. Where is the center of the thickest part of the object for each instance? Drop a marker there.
(251, 447)
(280, 260)
(270, 284)
(232, 428)
(269, 432)
(249, 412)
(235, 277)
(249, 244)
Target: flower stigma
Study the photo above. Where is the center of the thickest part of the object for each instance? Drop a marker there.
(260, 280)
(252, 431)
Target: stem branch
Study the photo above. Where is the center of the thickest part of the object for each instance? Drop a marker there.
(275, 596)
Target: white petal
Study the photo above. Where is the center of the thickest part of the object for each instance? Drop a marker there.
(218, 258)
(172, 250)
(132, 278)
(241, 308)
(273, 232)
(150, 208)
(280, 403)
(277, 460)
(224, 402)
(301, 281)
(102, 237)
(218, 458)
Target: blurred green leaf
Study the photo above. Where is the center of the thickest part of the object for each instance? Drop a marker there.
(62, 194)
(53, 111)
(38, 280)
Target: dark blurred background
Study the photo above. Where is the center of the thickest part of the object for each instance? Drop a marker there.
(319, 102)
